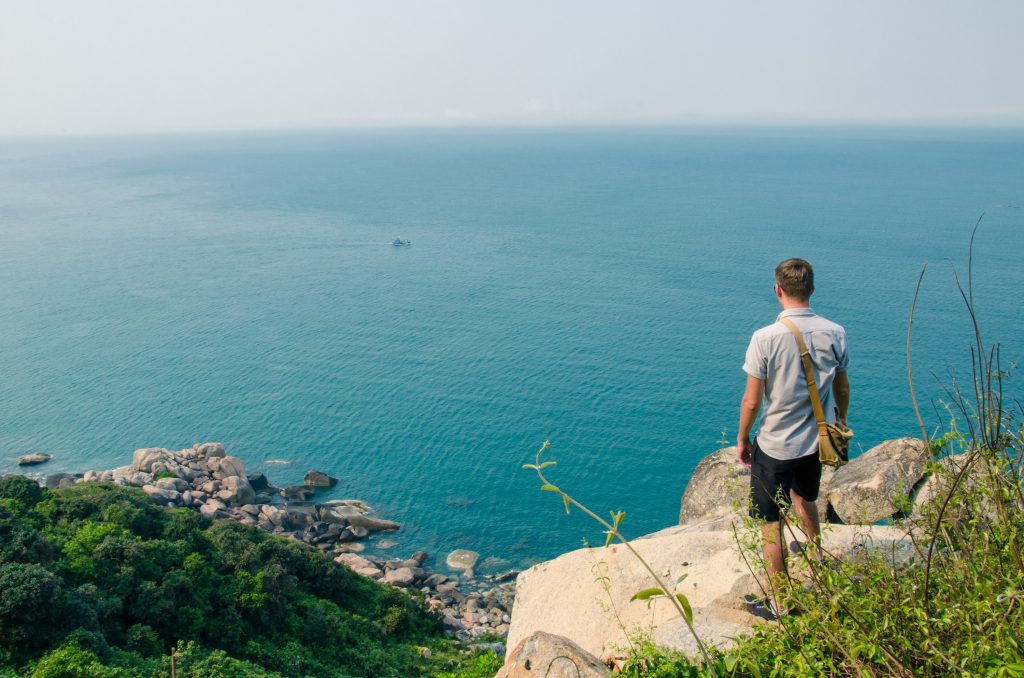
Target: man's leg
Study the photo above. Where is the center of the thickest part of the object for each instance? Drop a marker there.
(807, 511)
(774, 558)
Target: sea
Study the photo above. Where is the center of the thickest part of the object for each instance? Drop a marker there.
(595, 288)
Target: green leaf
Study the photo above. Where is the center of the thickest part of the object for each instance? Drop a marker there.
(548, 463)
(687, 610)
(682, 577)
(533, 466)
(549, 488)
(647, 594)
(565, 499)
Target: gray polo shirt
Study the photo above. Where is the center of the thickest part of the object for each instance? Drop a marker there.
(788, 429)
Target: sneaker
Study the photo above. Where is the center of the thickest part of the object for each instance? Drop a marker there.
(764, 608)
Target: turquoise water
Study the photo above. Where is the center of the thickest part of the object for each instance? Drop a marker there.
(595, 288)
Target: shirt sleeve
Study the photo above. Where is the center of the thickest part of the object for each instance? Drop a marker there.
(841, 352)
(756, 362)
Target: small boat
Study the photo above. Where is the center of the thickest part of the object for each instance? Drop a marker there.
(398, 242)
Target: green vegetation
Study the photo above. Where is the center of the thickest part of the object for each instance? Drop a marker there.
(96, 580)
(883, 614)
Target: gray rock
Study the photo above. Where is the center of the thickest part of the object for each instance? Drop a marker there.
(231, 467)
(295, 519)
(210, 486)
(209, 450)
(403, 576)
(174, 484)
(258, 481)
(214, 509)
(419, 557)
(349, 548)
(319, 480)
(373, 524)
(144, 458)
(161, 495)
(272, 514)
(940, 482)
(297, 493)
(718, 484)
(329, 515)
(462, 559)
(59, 480)
(863, 491)
(352, 561)
(236, 490)
(545, 654)
(435, 580)
(34, 458)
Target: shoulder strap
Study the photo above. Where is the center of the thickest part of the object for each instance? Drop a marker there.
(805, 358)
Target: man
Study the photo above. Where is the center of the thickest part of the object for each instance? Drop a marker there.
(783, 460)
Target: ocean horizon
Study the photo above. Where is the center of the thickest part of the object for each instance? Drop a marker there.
(596, 288)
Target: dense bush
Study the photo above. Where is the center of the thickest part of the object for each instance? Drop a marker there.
(95, 580)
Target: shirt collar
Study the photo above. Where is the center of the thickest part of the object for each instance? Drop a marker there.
(798, 312)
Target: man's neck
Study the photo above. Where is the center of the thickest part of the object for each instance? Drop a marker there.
(789, 303)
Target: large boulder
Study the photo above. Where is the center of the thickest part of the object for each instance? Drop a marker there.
(144, 458)
(162, 495)
(550, 656)
(173, 484)
(236, 490)
(584, 595)
(402, 576)
(319, 480)
(720, 489)
(209, 450)
(719, 486)
(373, 524)
(229, 467)
(879, 483)
(58, 480)
(259, 482)
(462, 559)
(33, 459)
(297, 493)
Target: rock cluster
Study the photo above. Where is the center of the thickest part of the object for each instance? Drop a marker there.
(468, 607)
(871, 488)
(207, 479)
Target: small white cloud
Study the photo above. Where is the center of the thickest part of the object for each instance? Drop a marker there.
(536, 106)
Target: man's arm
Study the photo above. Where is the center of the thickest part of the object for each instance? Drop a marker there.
(841, 391)
(749, 407)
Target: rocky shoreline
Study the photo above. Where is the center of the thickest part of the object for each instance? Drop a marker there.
(206, 479)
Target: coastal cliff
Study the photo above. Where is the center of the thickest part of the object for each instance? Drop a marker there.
(586, 596)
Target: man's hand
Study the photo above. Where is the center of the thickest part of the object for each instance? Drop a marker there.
(744, 451)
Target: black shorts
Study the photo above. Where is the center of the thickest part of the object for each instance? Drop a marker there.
(771, 480)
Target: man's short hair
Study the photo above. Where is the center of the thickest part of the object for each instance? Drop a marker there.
(796, 278)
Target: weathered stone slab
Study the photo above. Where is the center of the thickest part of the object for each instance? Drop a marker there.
(873, 486)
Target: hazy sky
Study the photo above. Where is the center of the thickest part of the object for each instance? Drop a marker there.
(127, 66)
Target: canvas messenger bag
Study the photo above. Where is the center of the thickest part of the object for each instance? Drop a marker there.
(833, 439)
